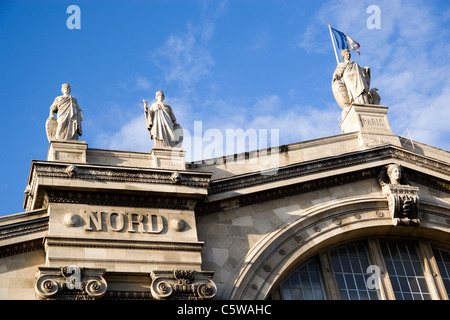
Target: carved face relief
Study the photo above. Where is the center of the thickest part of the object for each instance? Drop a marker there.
(395, 173)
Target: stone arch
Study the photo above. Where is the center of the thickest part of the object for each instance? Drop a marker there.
(320, 227)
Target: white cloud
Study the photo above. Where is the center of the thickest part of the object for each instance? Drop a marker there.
(185, 58)
(133, 136)
(135, 83)
(142, 83)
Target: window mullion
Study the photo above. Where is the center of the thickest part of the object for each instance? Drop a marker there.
(386, 291)
(431, 272)
(329, 278)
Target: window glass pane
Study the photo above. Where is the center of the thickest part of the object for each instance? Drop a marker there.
(344, 294)
(305, 283)
(296, 294)
(295, 281)
(352, 278)
(443, 261)
(349, 280)
(406, 275)
(335, 262)
(363, 295)
(353, 294)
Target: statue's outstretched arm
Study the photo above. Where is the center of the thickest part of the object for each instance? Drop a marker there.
(145, 105)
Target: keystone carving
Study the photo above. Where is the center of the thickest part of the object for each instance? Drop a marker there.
(71, 282)
(182, 284)
(403, 199)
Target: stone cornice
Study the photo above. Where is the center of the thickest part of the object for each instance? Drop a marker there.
(119, 174)
(124, 244)
(23, 224)
(46, 176)
(320, 166)
(328, 163)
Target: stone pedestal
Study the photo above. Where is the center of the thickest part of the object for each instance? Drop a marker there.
(168, 158)
(372, 124)
(67, 151)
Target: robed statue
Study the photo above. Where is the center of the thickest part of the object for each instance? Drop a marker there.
(162, 124)
(351, 83)
(67, 126)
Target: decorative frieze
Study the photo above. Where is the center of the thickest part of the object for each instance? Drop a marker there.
(285, 191)
(17, 248)
(70, 282)
(182, 284)
(99, 173)
(123, 200)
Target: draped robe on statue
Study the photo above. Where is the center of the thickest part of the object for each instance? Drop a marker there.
(356, 79)
(161, 122)
(69, 118)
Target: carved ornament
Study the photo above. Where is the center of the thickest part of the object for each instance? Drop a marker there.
(70, 282)
(182, 284)
(403, 199)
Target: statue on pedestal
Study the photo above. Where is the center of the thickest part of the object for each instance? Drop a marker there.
(355, 84)
(162, 124)
(68, 124)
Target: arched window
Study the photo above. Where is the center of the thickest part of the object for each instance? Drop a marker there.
(352, 273)
(305, 283)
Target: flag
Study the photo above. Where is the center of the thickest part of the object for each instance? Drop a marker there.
(343, 41)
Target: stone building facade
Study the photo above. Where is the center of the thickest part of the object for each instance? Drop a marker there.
(318, 219)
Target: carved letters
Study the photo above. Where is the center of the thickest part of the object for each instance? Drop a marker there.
(131, 222)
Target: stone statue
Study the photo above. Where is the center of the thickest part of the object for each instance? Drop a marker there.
(355, 84)
(403, 199)
(68, 124)
(162, 124)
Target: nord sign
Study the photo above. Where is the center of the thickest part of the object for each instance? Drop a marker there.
(119, 222)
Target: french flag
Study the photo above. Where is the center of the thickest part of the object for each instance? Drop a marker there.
(343, 41)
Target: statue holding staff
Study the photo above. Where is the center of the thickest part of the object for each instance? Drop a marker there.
(162, 124)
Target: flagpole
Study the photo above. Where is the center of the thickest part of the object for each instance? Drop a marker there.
(334, 46)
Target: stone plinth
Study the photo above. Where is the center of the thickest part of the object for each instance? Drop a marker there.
(168, 158)
(371, 122)
(67, 151)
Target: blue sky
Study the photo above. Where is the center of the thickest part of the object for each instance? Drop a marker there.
(260, 64)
